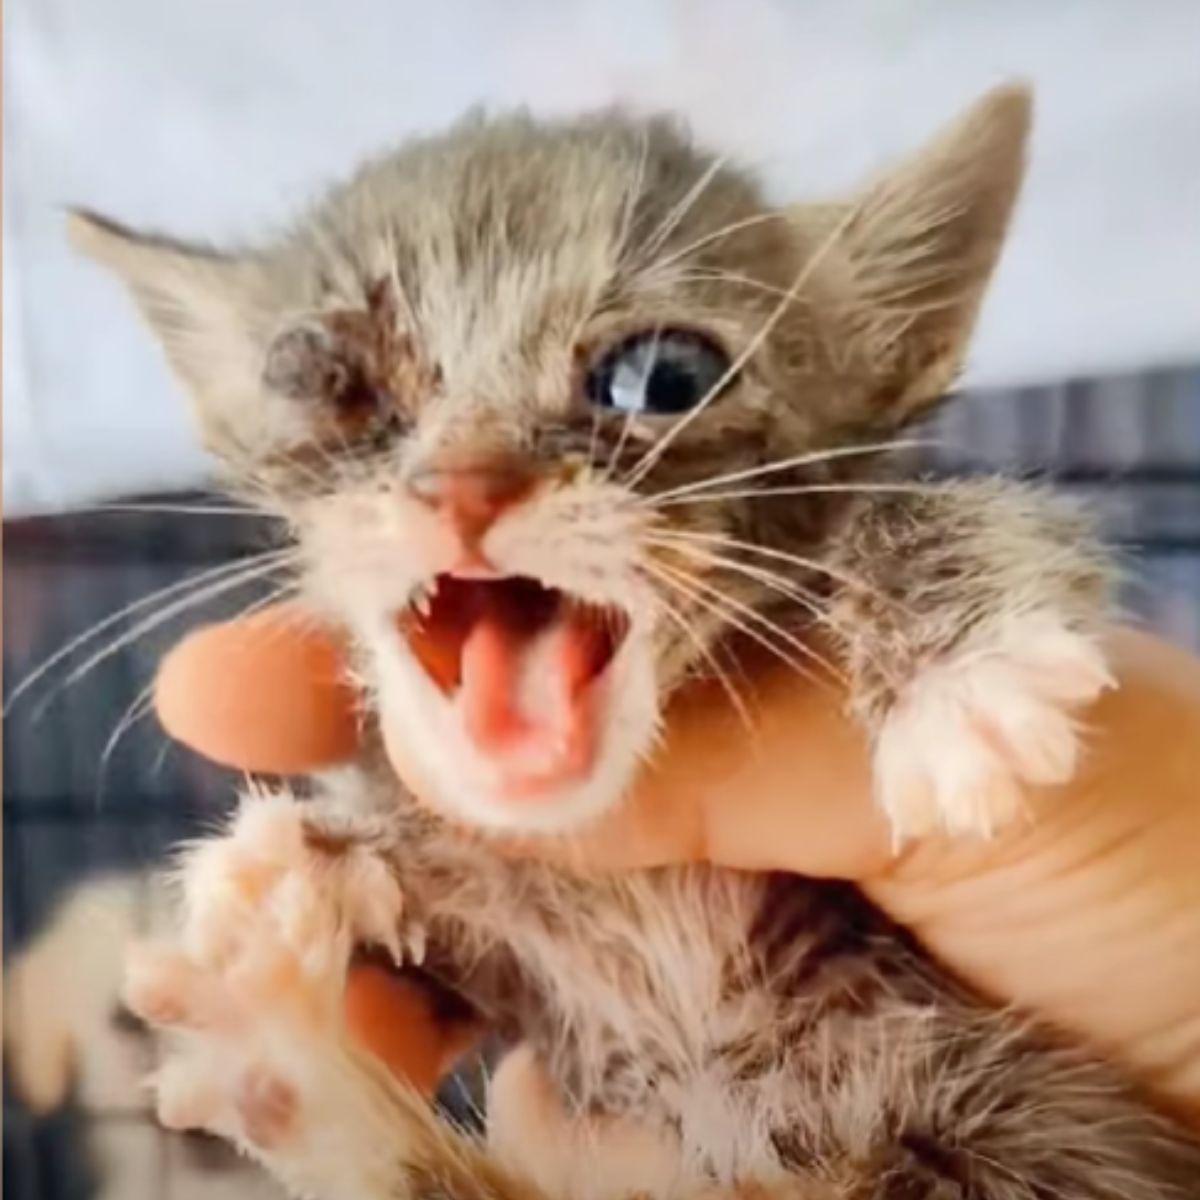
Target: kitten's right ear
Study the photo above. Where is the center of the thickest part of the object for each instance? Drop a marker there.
(212, 316)
(209, 313)
(199, 303)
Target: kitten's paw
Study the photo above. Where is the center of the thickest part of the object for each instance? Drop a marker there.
(253, 992)
(259, 1057)
(964, 739)
(280, 877)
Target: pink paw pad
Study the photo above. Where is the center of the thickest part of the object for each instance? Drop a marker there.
(268, 1108)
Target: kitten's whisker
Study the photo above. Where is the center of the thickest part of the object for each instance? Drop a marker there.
(187, 510)
(815, 489)
(614, 455)
(810, 458)
(632, 196)
(290, 459)
(614, 459)
(294, 620)
(730, 277)
(734, 609)
(771, 580)
(716, 603)
(680, 582)
(813, 565)
(782, 586)
(702, 648)
(152, 622)
(715, 235)
(331, 466)
(318, 475)
(141, 706)
(680, 209)
(810, 600)
(659, 448)
(208, 575)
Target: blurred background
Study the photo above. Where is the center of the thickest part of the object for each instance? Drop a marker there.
(220, 120)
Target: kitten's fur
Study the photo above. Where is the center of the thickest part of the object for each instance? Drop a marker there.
(763, 1033)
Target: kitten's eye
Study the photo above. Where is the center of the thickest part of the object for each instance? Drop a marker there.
(660, 373)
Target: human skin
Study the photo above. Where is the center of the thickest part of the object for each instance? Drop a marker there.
(1087, 912)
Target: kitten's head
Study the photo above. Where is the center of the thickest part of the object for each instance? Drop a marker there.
(529, 396)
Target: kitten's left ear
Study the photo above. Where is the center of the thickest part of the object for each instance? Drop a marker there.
(917, 249)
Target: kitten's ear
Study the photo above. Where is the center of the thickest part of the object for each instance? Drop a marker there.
(206, 310)
(919, 245)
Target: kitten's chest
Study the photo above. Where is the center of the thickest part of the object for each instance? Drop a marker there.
(654, 1006)
(681, 997)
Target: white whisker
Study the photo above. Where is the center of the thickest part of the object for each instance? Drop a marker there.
(708, 238)
(719, 673)
(632, 196)
(772, 581)
(208, 575)
(614, 459)
(808, 459)
(751, 615)
(681, 582)
(730, 277)
(782, 583)
(141, 706)
(295, 619)
(680, 210)
(799, 560)
(769, 579)
(190, 510)
(814, 489)
(165, 613)
(656, 451)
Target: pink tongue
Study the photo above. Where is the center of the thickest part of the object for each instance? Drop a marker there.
(525, 702)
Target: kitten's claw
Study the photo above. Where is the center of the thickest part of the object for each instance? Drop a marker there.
(957, 751)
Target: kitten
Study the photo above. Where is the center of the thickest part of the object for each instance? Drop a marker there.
(552, 411)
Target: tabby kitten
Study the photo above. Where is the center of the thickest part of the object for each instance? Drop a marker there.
(553, 411)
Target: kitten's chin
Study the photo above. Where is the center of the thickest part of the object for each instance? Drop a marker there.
(518, 710)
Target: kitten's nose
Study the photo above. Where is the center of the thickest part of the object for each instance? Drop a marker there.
(471, 497)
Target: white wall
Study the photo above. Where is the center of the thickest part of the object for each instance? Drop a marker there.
(214, 118)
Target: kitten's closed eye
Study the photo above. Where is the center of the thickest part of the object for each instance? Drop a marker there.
(355, 371)
(306, 363)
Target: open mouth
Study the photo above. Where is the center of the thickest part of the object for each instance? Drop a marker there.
(524, 665)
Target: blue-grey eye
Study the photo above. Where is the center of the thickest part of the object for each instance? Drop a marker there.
(660, 373)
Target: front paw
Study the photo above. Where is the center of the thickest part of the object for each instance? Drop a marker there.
(252, 993)
(964, 739)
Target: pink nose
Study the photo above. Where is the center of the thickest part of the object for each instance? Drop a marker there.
(472, 497)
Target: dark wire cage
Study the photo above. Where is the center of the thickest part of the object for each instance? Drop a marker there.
(83, 804)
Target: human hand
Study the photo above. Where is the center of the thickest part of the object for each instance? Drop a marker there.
(1089, 913)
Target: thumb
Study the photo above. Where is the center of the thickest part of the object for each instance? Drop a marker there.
(265, 693)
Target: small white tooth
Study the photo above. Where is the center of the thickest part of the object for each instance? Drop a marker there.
(418, 601)
(416, 945)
